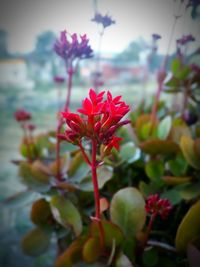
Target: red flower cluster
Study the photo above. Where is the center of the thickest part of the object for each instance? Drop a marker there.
(156, 205)
(98, 121)
(22, 115)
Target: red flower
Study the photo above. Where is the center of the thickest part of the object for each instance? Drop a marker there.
(22, 115)
(156, 205)
(92, 106)
(99, 121)
(113, 143)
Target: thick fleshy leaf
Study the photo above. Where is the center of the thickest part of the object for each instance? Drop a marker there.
(66, 186)
(36, 242)
(40, 172)
(91, 250)
(64, 161)
(104, 174)
(104, 204)
(150, 257)
(155, 170)
(43, 143)
(72, 255)
(129, 152)
(173, 195)
(197, 147)
(147, 189)
(30, 180)
(164, 128)
(178, 130)
(65, 213)
(189, 227)
(127, 210)
(174, 180)
(20, 199)
(75, 163)
(191, 191)
(187, 147)
(157, 147)
(111, 232)
(178, 165)
(41, 212)
(142, 126)
(28, 151)
(175, 66)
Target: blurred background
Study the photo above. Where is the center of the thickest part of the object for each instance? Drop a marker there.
(28, 65)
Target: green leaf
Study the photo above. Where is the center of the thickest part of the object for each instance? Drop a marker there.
(178, 166)
(191, 191)
(91, 250)
(104, 174)
(36, 242)
(157, 147)
(189, 227)
(187, 147)
(173, 195)
(30, 180)
(175, 66)
(155, 170)
(146, 130)
(177, 180)
(164, 128)
(75, 163)
(127, 210)
(129, 152)
(41, 212)
(150, 257)
(147, 189)
(20, 199)
(111, 232)
(183, 73)
(65, 213)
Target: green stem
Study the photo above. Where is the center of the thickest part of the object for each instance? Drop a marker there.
(27, 143)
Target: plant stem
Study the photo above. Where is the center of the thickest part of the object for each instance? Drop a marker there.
(98, 60)
(27, 143)
(58, 165)
(155, 105)
(84, 154)
(69, 88)
(95, 181)
(149, 228)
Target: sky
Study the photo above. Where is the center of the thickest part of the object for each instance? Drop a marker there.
(24, 20)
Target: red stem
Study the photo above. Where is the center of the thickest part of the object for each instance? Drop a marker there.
(84, 154)
(149, 228)
(94, 180)
(96, 192)
(69, 88)
(58, 165)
